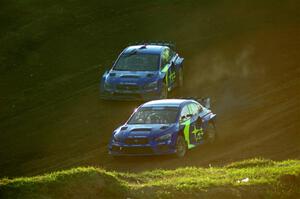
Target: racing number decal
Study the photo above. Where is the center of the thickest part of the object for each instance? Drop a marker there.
(172, 76)
(192, 135)
(197, 133)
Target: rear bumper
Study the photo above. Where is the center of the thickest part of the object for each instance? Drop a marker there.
(141, 150)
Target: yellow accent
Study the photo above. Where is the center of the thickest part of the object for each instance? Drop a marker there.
(173, 76)
(167, 79)
(197, 133)
(186, 132)
(165, 69)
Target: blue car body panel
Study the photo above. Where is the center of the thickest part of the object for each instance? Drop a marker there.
(132, 85)
(141, 139)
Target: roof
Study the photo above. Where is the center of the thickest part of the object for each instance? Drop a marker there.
(166, 102)
(147, 49)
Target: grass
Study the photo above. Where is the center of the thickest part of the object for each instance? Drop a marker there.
(267, 179)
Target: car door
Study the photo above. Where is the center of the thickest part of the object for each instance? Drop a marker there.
(168, 67)
(189, 123)
(196, 126)
(173, 73)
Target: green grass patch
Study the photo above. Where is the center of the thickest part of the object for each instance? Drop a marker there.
(266, 179)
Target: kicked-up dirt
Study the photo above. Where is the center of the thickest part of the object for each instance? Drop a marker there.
(245, 56)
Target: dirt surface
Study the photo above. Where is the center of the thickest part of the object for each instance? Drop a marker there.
(254, 85)
(245, 56)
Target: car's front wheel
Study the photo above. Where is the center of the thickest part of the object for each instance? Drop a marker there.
(181, 147)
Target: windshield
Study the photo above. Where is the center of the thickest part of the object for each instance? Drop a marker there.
(157, 115)
(137, 62)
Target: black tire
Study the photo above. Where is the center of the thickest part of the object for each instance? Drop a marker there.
(164, 91)
(181, 147)
(211, 133)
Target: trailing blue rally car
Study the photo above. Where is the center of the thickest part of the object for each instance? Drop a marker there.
(169, 126)
(143, 72)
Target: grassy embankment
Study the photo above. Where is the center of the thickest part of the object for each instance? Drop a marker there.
(267, 179)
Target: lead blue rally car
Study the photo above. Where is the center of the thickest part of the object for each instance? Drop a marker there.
(143, 72)
(169, 126)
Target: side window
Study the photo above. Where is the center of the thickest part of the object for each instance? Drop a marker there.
(200, 108)
(185, 113)
(194, 108)
(165, 57)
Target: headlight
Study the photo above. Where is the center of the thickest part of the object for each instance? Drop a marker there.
(152, 85)
(116, 137)
(163, 138)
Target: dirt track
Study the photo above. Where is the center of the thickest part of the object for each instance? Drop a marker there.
(255, 86)
(248, 64)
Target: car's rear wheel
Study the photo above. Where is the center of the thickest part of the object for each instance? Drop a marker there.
(181, 147)
(164, 91)
(211, 133)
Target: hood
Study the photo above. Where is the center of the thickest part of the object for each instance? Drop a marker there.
(144, 130)
(131, 77)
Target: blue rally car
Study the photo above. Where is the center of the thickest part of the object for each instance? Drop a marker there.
(143, 72)
(169, 126)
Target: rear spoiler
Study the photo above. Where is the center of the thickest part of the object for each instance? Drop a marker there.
(159, 43)
(205, 101)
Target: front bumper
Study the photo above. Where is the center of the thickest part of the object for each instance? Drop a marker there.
(141, 150)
